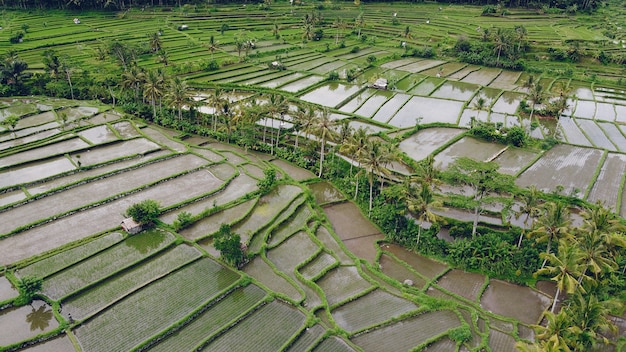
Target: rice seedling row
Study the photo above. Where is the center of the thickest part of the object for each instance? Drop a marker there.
(301, 84)
(308, 337)
(409, 333)
(292, 252)
(273, 325)
(427, 267)
(387, 110)
(596, 135)
(615, 135)
(101, 296)
(130, 251)
(212, 223)
(264, 78)
(58, 148)
(393, 268)
(321, 264)
(513, 160)
(57, 344)
(216, 317)
(332, 244)
(341, 283)
(43, 238)
(77, 197)
(50, 265)
(370, 310)
(334, 344)
(155, 307)
(7, 291)
(560, 166)
(293, 219)
(263, 273)
(499, 341)
(609, 180)
(267, 208)
(166, 141)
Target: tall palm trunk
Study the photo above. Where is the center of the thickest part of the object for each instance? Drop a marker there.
(556, 299)
(322, 157)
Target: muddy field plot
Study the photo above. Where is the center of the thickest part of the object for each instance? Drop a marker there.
(568, 166)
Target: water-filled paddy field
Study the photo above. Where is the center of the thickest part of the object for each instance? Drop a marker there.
(305, 260)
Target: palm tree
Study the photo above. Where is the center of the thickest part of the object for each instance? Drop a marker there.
(479, 105)
(590, 320)
(564, 269)
(354, 146)
(323, 128)
(530, 207)
(427, 173)
(422, 204)
(162, 57)
(178, 95)
(276, 107)
(340, 25)
(595, 255)
(375, 159)
(303, 119)
(307, 31)
(601, 219)
(153, 88)
(212, 45)
(555, 336)
(500, 43)
(520, 32)
(536, 95)
(133, 79)
(359, 23)
(553, 224)
(155, 42)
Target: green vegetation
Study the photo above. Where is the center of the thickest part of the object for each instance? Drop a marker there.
(215, 83)
(29, 286)
(145, 212)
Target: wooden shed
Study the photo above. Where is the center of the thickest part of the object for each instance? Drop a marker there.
(380, 83)
(131, 226)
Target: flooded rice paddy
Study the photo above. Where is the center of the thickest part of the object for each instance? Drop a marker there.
(309, 263)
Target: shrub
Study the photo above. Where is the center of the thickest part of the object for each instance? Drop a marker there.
(460, 334)
(230, 246)
(145, 212)
(489, 10)
(183, 220)
(517, 136)
(355, 50)
(16, 37)
(333, 75)
(29, 286)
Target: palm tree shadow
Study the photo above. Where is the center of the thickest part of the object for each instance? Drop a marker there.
(40, 318)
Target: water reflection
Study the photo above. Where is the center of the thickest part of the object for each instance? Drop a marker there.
(39, 319)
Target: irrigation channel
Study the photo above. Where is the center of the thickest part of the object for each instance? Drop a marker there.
(319, 266)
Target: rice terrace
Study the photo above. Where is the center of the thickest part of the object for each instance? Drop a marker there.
(312, 176)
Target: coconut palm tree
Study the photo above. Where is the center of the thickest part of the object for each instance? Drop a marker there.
(155, 42)
(479, 105)
(303, 119)
(153, 88)
(212, 46)
(596, 257)
(422, 204)
(536, 95)
(590, 320)
(564, 269)
(374, 160)
(359, 23)
(133, 79)
(354, 146)
(553, 225)
(529, 206)
(324, 128)
(555, 336)
(427, 173)
(178, 95)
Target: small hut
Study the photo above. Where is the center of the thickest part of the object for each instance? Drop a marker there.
(131, 226)
(380, 83)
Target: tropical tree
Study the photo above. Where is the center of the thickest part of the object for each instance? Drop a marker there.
(52, 62)
(479, 105)
(536, 95)
(591, 321)
(530, 206)
(133, 79)
(427, 173)
(374, 160)
(145, 212)
(564, 269)
(482, 177)
(153, 88)
(11, 122)
(178, 95)
(212, 45)
(354, 146)
(554, 336)
(324, 128)
(422, 204)
(552, 225)
(340, 25)
(359, 23)
(154, 42)
(230, 246)
(595, 255)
